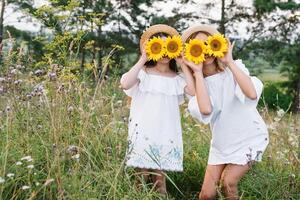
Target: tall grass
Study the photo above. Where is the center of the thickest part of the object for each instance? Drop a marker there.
(76, 137)
(62, 138)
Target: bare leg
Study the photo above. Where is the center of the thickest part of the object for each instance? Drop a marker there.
(231, 176)
(211, 181)
(142, 176)
(159, 180)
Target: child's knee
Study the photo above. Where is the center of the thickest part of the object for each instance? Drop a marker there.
(229, 183)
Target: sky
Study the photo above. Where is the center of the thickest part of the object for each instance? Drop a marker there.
(14, 17)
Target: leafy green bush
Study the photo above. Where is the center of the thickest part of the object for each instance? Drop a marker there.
(275, 96)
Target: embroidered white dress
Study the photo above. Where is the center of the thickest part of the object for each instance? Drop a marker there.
(154, 130)
(239, 134)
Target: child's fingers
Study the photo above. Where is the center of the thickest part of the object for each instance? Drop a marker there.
(185, 61)
(181, 54)
(233, 44)
(228, 41)
(189, 63)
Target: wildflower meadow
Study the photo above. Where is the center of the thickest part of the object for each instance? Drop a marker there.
(64, 117)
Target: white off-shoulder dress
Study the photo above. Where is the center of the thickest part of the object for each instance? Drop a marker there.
(154, 130)
(239, 134)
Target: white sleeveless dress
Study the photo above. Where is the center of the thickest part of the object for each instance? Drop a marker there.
(154, 130)
(239, 134)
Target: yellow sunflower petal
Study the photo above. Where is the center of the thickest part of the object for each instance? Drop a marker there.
(195, 50)
(217, 45)
(155, 48)
(173, 46)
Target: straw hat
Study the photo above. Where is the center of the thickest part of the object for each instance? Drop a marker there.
(158, 28)
(199, 28)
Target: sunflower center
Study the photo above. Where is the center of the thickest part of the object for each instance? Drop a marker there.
(172, 47)
(156, 48)
(215, 45)
(196, 50)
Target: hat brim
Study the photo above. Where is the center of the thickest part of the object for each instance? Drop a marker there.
(199, 28)
(158, 28)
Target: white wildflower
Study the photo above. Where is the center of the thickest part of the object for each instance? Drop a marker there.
(8, 109)
(14, 71)
(20, 67)
(17, 82)
(280, 113)
(10, 175)
(2, 79)
(27, 158)
(38, 72)
(70, 108)
(76, 156)
(30, 166)
(293, 175)
(119, 102)
(25, 187)
(2, 180)
(19, 163)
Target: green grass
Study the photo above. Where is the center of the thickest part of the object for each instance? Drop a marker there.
(91, 122)
(272, 75)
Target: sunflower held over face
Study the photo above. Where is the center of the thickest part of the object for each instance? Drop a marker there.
(217, 45)
(173, 46)
(155, 48)
(195, 50)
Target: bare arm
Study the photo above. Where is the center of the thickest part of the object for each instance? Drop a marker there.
(203, 98)
(190, 88)
(129, 79)
(241, 78)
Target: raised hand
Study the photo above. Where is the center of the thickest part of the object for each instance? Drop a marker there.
(143, 56)
(129, 79)
(190, 87)
(193, 66)
(228, 55)
(179, 60)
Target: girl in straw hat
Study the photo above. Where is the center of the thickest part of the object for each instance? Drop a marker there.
(154, 130)
(226, 98)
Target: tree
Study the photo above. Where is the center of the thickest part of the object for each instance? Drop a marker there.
(21, 5)
(291, 68)
(287, 37)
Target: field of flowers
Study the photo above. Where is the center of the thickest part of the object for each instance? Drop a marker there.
(63, 138)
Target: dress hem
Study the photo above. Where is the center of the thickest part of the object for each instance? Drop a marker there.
(235, 163)
(154, 168)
